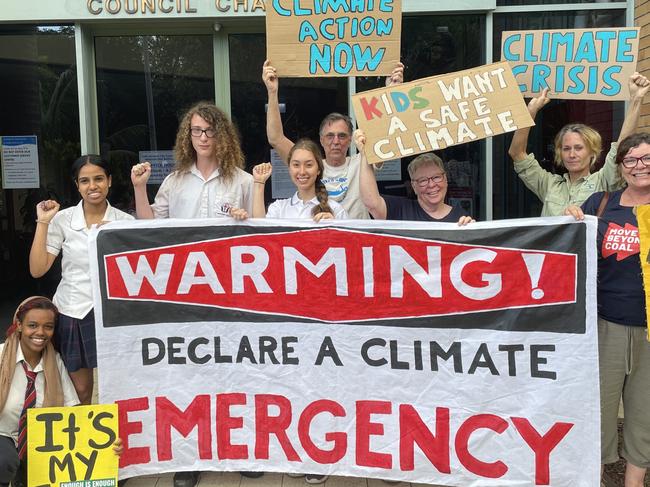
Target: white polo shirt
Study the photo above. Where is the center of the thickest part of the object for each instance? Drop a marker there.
(188, 195)
(10, 415)
(294, 207)
(67, 232)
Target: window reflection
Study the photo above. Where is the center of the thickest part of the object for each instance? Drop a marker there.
(144, 85)
(38, 96)
(305, 100)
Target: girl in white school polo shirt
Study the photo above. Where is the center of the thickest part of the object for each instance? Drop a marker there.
(66, 232)
(310, 200)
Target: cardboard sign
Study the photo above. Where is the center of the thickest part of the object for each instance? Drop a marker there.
(333, 37)
(72, 446)
(583, 64)
(441, 111)
(409, 351)
(643, 219)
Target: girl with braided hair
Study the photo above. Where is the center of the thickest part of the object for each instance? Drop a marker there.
(28, 355)
(32, 374)
(310, 200)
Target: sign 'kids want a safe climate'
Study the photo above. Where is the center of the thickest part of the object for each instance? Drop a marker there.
(333, 37)
(440, 111)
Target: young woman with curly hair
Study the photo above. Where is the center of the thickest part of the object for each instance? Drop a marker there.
(208, 180)
(310, 200)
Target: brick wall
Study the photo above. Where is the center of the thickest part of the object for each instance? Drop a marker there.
(642, 19)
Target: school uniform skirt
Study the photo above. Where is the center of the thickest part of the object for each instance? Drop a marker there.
(74, 339)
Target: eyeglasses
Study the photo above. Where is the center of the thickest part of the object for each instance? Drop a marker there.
(423, 182)
(197, 132)
(341, 135)
(632, 161)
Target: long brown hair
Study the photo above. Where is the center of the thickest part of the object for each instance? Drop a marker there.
(228, 146)
(321, 191)
(53, 389)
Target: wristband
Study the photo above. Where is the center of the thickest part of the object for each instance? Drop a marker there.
(42, 221)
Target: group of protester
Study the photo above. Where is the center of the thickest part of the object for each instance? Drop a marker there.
(209, 182)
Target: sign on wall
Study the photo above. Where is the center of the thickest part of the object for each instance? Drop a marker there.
(333, 38)
(19, 157)
(397, 350)
(585, 64)
(162, 164)
(440, 111)
(72, 446)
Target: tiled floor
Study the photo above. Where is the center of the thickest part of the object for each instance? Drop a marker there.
(232, 479)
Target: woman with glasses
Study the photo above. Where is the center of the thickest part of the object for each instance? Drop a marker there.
(577, 146)
(429, 182)
(623, 349)
(208, 180)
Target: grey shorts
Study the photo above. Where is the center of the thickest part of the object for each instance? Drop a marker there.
(624, 358)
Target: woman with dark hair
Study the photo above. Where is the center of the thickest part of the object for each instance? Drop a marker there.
(208, 180)
(623, 348)
(577, 147)
(28, 363)
(310, 200)
(67, 231)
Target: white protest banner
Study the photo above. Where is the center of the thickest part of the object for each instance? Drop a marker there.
(398, 350)
(307, 38)
(583, 64)
(440, 111)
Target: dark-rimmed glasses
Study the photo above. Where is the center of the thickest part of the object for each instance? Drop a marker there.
(631, 161)
(423, 182)
(198, 132)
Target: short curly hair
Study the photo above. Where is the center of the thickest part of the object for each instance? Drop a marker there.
(631, 142)
(228, 145)
(426, 159)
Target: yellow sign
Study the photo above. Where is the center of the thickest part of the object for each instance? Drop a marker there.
(72, 446)
(305, 38)
(441, 111)
(584, 64)
(643, 219)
